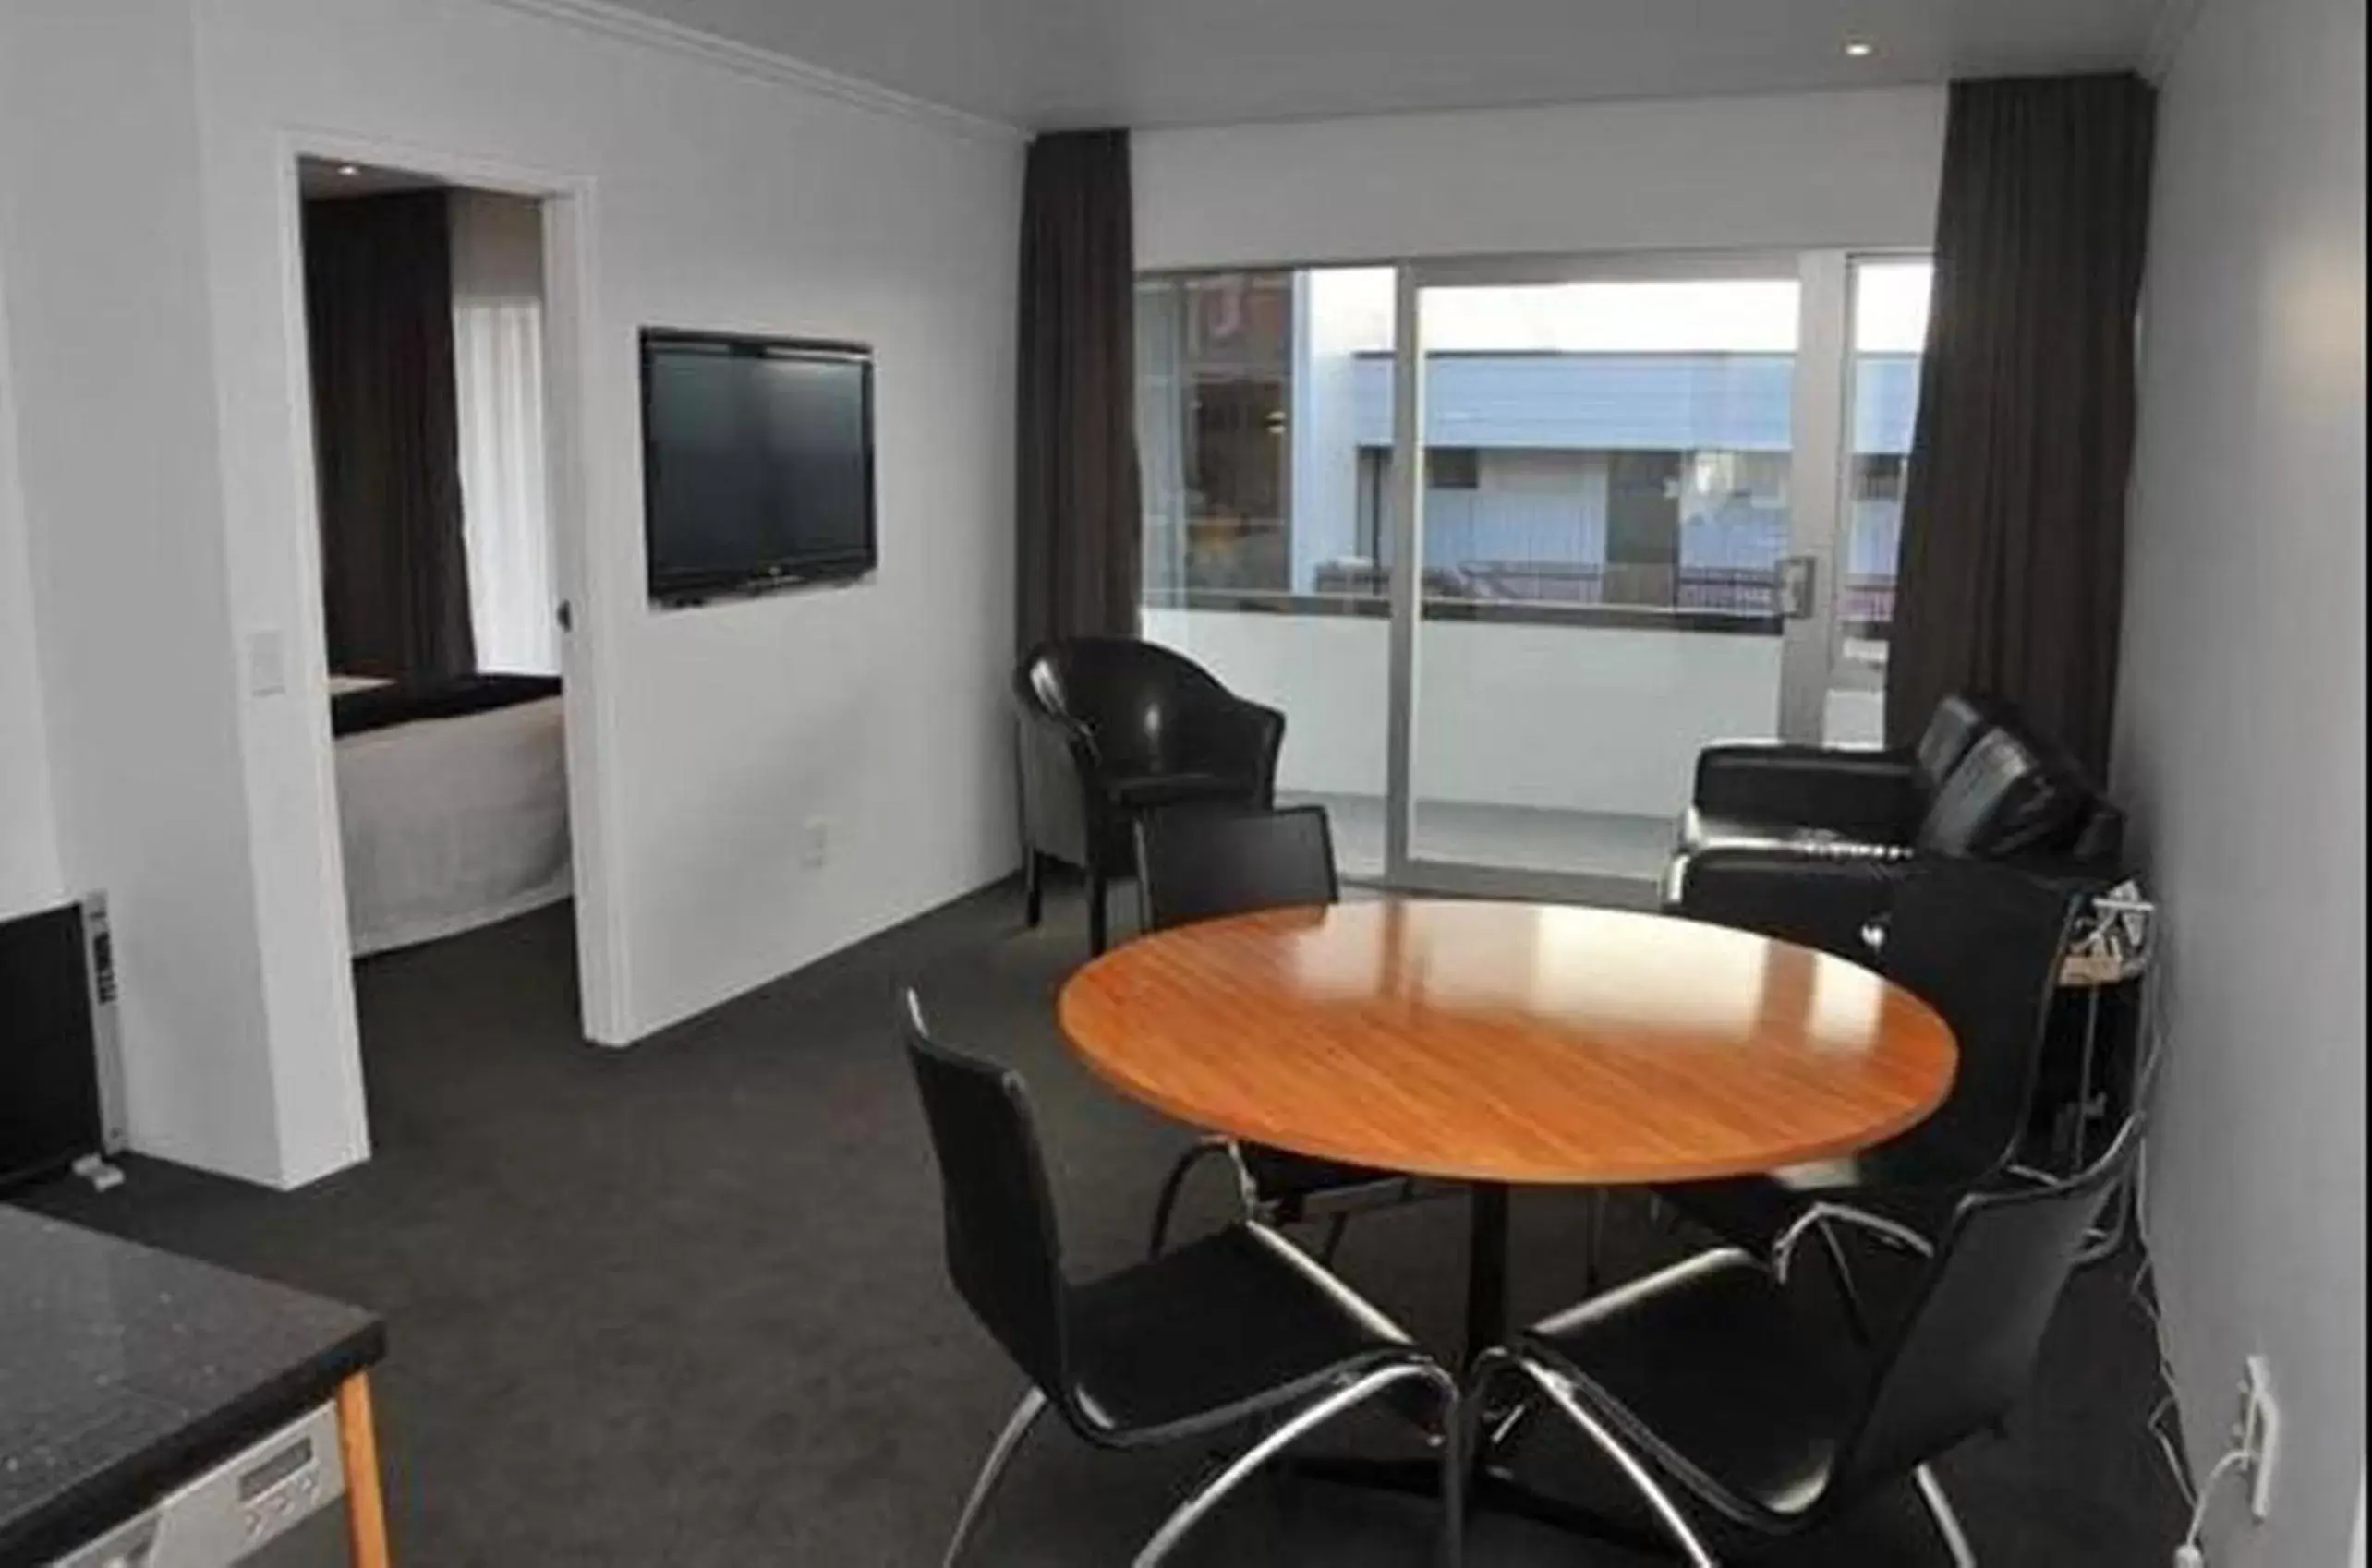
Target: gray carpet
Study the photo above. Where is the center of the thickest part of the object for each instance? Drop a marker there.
(682, 1307)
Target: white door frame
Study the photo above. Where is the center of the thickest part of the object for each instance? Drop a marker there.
(587, 655)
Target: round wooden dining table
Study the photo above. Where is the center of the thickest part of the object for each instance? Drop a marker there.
(1504, 1044)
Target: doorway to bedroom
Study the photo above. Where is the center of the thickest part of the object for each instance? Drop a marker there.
(425, 317)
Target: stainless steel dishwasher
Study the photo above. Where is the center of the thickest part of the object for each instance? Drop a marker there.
(279, 1504)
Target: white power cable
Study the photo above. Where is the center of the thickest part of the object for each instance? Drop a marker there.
(2190, 1554)
(2149, 1040)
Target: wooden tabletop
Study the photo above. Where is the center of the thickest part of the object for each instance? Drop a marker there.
(1511, 1043)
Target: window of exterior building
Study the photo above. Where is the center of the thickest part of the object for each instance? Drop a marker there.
(1452, 468)
(1250, 475)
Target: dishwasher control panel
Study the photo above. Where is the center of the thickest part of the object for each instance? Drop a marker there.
(236, 1513)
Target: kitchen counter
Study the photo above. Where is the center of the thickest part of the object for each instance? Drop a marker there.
(124, 1371)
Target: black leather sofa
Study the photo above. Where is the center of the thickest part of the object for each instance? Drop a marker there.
(1809, 842)
(1112, 727)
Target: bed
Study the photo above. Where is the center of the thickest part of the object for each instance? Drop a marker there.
(452, 805)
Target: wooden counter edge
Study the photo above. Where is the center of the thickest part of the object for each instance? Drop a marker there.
(358, 1447)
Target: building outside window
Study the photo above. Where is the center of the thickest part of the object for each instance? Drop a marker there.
(1574, 474)
(1217, 362)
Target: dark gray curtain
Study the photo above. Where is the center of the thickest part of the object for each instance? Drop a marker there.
(379, 310)
(1078, 519)
(2012, 574)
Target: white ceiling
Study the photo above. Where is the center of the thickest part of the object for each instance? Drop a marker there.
(1055, 62)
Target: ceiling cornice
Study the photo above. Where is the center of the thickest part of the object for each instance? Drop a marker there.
(2168, 30)
(635, 27)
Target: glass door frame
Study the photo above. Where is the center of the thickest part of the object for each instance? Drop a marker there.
(1819, 509)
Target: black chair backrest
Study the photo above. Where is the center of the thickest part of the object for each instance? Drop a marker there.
(2091, 829)
(1966, 1350)
(2001, 798)
(1131, 696)
(1955, 726)
(1983, 945)
(1201, 862)
(1004, 1250)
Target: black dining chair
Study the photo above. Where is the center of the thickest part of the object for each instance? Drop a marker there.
(1201, 863)
(1238, 1327)
(1981, 944)
(1737, 1415)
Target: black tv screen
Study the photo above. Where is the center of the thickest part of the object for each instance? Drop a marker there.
(757, 461)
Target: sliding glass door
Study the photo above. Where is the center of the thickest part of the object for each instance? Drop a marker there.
(1607, 461)
(1509, 542)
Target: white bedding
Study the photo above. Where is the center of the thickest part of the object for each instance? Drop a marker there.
(450, 824)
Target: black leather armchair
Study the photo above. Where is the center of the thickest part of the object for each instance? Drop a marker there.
(1111, 727)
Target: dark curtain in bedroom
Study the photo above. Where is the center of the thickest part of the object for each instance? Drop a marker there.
(378, 308)
(2011, 577)
(1078, 521)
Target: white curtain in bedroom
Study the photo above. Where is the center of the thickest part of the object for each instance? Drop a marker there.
(498, 368)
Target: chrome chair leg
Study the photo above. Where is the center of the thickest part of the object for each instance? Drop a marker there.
(1017, 1427)
(1821, 1219)
(1174, 1184)
(1490, 1367)
(1209, 1495)
(1848, 1292)
(1947, 1523)
(1675, 1521)
(1455, 1463)
(1509, 1424)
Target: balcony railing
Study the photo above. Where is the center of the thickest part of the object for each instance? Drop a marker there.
(1698, 598)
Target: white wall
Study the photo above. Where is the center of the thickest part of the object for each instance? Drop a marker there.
(706, 195)
(110, 367)
(28, 867)
(717, 198)
(1793, 172)
(2242, 744)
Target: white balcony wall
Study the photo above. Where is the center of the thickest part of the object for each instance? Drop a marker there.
(1590, 718)
(1329, 674)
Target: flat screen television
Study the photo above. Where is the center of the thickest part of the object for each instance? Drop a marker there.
(757, 463)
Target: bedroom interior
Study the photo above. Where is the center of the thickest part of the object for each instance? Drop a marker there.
(442, 611)
(725, 595)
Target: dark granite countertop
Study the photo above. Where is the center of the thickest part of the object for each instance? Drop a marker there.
(124, 1371)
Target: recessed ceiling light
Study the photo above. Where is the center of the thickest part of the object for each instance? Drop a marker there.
(1859, 49)
(349, 170)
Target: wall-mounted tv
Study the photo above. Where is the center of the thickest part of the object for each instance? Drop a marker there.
(757, 463)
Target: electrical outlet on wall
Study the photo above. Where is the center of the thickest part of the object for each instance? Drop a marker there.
(816, 843)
